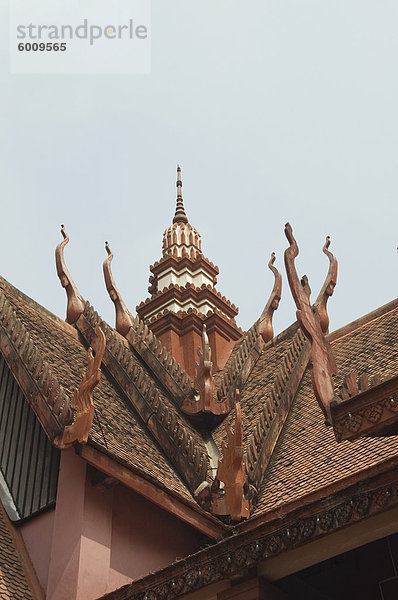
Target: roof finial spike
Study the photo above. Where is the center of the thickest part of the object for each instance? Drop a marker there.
(180, 216)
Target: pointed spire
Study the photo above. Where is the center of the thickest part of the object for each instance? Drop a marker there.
(180, 216)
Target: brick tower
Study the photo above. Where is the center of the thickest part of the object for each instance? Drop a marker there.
(184, 298)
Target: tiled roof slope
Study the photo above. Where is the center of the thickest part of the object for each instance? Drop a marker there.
(13, 581)
(307, 457)
(255, 390)
(115, 421)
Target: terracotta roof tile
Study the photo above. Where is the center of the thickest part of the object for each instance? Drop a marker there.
(13, 582)
(115, 421)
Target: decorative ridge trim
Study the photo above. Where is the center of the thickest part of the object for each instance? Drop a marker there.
(239, 365)
(41, 380)
(246, 549)
(163, 361)
(275, 410)
(75, 305)
(144, 341)
(163, 422)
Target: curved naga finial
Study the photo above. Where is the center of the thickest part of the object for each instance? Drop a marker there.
(82, 400)
(75, 305)
(232, 471)
(327, 288)
(323, 365)
(264, 324)
(123, 318)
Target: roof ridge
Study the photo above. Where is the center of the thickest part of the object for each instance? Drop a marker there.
(373, 315)
(164, 422)
(144, 341)
(36, 306)
(276, 408)
(163, 359)
(240, 363)
(39, 378)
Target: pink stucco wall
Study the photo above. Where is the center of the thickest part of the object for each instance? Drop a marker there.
(100, 538)
(37, 534)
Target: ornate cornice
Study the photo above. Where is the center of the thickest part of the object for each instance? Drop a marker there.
(183, 295)
(232, 556)
(32, 372)
(192, 320)
(275, 410)
(161, 419)
(371, 408)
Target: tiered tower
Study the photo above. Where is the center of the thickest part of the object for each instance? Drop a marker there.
(184, 298)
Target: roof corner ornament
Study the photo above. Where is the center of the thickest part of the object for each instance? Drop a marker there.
(82, 399)
(264, 324)
(123, 318)
(204, 385)
(327, 288)
(75, 305)
(232, 473)
(180, 216)
(323, 365)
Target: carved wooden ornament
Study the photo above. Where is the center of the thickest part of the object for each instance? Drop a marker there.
(232, 470)
(264, 324)
(75, 306)
(327, 288)
(205, 401)
(323, 365)
(124, 320)
(82, 400)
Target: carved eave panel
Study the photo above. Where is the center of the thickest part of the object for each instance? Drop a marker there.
(373, 412)
(256, 542)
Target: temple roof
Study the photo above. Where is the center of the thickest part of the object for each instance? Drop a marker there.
(240, 452)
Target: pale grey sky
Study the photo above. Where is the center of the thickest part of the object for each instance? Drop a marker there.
(277, 110)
